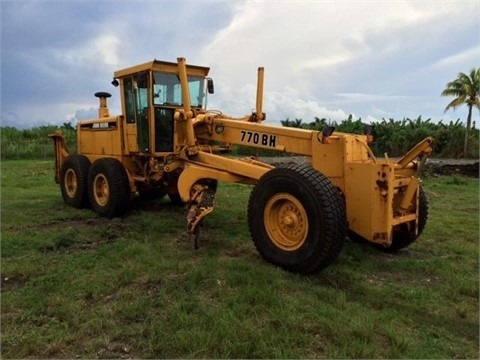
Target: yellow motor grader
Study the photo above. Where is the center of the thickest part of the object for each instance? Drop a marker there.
(166, 142)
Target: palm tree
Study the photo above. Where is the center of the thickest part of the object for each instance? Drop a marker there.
(297, 123)
(466, 89)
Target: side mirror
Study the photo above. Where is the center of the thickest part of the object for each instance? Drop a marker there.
(210, 85)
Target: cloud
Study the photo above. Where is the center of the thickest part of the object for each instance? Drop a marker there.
(459, 60)
(321, 59)
(357, 97)
(100, 50)
(290, 104)
(327, 50)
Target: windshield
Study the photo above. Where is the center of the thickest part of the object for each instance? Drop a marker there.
(167, 90)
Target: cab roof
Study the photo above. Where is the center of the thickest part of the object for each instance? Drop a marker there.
(161, 66)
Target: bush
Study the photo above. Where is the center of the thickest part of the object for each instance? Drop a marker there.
(33, 143)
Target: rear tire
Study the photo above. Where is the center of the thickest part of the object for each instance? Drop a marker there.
(108, 188)
(297, 218)
(74, 181)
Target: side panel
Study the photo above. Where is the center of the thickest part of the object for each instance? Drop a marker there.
(329, 159)
(100, 137)
(369, 197)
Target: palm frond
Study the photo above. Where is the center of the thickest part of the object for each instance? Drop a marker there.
(466, 90)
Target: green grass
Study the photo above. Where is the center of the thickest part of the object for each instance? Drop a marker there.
(76, 285)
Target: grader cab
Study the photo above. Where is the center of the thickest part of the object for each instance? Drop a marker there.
(166, 142)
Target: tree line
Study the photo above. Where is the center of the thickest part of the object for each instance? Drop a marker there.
(394, 137)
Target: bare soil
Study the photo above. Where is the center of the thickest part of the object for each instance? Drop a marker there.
(433, 167)
(463, 167)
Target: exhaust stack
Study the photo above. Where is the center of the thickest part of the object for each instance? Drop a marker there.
(259, 114)
(103, 108)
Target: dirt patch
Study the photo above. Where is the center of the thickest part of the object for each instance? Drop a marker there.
(73, 235)
(461, 167)
(14, 282)
(68, 223)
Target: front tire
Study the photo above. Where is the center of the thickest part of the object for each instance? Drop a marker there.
(74, 181)
(297, 218)
(108, 188)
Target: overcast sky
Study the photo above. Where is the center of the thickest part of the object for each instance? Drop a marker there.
(326, 59)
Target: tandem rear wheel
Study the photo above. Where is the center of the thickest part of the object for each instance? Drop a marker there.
(108, 188)
(103, 185)
(297, 218)
(74, 181)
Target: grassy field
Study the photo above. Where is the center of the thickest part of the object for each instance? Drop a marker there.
(76, 285)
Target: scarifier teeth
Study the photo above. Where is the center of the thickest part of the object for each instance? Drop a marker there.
(207, 198)
(202, 205)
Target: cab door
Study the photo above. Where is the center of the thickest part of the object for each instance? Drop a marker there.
(164, 129)
(136, 102)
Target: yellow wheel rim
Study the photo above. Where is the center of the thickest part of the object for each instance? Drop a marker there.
(70, 182)
(101, 190)
(286, 221)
